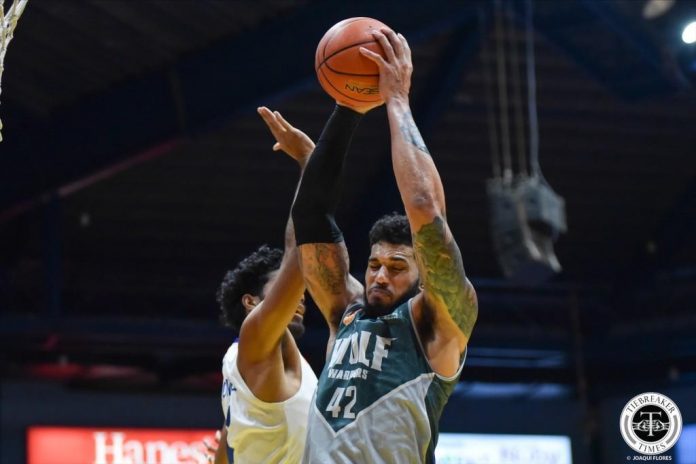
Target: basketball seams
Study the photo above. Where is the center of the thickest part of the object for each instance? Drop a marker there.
(326, 63)
(328, 81)
(337, 50)
(357, 44)
(330, 34)
(341, 73)
(340, 92)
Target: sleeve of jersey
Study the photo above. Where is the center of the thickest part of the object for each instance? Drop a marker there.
(250, 419)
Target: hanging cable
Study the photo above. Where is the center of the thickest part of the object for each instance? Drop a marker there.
(531, 94)
(502, 94)
(521, 141)
(486, 63)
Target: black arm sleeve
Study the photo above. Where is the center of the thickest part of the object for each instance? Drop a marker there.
(322, 181)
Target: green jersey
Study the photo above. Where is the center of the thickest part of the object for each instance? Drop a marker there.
(378, 400)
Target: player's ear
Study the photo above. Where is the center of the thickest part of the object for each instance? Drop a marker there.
(250, 301)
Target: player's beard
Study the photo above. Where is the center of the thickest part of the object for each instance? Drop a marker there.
(381, 310)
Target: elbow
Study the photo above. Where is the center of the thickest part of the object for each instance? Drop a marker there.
(424, 205)
(472, 307)
(473, 311)
(422, 200)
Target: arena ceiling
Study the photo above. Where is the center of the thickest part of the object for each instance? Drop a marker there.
(135, 171)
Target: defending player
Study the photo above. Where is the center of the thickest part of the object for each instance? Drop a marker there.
(393, 358)
(268, 385)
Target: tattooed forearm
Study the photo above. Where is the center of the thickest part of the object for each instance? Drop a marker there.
(442, 273)
(410, 131)
(328, 269)
(325, 268)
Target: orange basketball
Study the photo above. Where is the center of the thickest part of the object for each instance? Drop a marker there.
(343, 72)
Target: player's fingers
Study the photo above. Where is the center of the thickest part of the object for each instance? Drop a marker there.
(265, 113)
(276, 147)
(286, 125)
(370, 55)
(386, 46)
(267, 116)
(209, 447)
(394, 41)
(406, 47)
(271, 121)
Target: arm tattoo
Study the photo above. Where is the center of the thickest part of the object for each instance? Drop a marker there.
(328, 270)
(443, 275)
(411, 133)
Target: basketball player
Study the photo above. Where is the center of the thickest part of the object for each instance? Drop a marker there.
(268, 385)
(397, 345)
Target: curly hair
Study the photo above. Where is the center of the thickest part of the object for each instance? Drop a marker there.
(391, 228)
(250, 276)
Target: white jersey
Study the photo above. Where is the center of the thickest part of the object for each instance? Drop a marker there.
(260, 432)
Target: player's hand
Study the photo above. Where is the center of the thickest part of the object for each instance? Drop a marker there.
(211, 448)
(289, 139)
(394, 70)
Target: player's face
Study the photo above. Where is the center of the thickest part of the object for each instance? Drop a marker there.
(391, 273)
(296, 325)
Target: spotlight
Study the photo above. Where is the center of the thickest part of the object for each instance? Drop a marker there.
(689, 33)
(655, 8)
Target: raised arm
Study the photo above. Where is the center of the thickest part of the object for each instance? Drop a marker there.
(259, 358)
(448, 303)
(322, 251)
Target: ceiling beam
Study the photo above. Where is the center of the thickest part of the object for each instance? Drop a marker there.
(194, 95)
(617, 73)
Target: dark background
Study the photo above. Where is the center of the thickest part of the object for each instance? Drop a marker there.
(135, 172)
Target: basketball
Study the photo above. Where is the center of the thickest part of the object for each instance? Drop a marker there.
(343, 72)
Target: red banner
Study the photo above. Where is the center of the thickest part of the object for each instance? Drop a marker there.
(69, 445)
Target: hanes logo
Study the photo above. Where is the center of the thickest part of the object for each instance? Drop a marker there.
(650, 423)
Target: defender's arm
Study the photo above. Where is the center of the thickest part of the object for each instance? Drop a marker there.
(322, 251)
(220, 456)
(259, 357)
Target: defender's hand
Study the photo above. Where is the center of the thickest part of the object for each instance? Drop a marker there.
(394, 71)
(289, 139)
(211, 449)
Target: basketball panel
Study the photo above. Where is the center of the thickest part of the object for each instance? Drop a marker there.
(351, 33)
(350, 90)
(351, 61)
